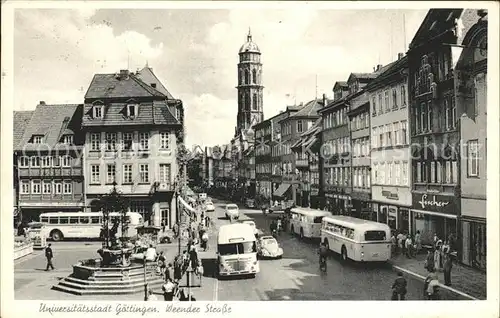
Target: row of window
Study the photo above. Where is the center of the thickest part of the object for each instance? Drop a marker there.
(446, 118)
(445, 172)
(337, 146)
(263, 132)
(360, 121)
(245, 100)
(262, 149)
(390, 173)
(338, 230)
(314, 177)
(336, 118)
(112, 143)
(361, 147)
(393, 134)
(65, 139)
(389, 100)
(282, 149)
(128, 173)
(361, 177)
(263, 168)
(245, 77)
(301, 126)
(46, 187)
(338, 176)
(46, 161)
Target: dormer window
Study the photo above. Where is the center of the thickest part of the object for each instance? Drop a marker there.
(98, 111)
(37, 139)
(131, 110)
(67, 139)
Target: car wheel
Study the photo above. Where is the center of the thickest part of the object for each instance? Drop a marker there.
(56, 236)
(344, 253)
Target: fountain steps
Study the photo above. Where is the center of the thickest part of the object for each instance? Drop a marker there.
(77, 286)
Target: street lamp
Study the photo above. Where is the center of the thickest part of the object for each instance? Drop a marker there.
(145, 280)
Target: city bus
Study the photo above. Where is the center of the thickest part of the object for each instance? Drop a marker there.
(236, 251)
(61, 225)
(306, 222)
(357, 239)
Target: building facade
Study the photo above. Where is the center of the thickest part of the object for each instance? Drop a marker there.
(132, 130)
(471, 90)
(390, 151)
(335, 161)
(434, 125)
(250, 89)
(50, 159)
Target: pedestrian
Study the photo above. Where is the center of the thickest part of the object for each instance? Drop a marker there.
(193, 257)
(430, 285)
(399, 288)
(151, 296)
(170, 272)
(393, 244)
(168, 290)
(418, 242)
(399, 237)
(448, 264)
(429, 261)
(151, 253)
(436, 239)
(403, 243)
(451, 241)
(408, 246)
(178, 264)
(176, 230)
(437, 255)
(162, 265)
(163, 226)
(49, 255)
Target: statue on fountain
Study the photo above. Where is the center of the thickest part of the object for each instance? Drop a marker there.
(115, 251)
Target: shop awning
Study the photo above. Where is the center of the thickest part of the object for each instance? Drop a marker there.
(281, 189)
(186, 205)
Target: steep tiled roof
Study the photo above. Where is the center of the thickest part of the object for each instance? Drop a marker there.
(310, 109)
(116, 86)
(388, 71)
(152, 113)
(51, 121)
(21, 121)
(148, 77)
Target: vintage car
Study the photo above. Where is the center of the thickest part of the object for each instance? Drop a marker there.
(268, 247)
(209, 206)
(232, 211)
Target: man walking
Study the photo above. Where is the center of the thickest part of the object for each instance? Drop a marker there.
(49, 255)
(448, 264)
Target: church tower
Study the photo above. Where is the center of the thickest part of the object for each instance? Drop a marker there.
(250, 89)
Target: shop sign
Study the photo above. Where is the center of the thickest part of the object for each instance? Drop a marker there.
(390, 195)
(435, 203)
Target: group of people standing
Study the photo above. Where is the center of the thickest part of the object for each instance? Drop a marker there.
(406, 244)
(440, 258)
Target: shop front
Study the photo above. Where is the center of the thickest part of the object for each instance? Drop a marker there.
(434, 214)
(338, 204)
(361, 205)
(473, 232)
(392, 207)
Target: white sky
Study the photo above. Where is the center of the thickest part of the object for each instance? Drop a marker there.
(195, 52)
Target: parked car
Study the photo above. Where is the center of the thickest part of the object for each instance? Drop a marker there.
(268, 247)
(209, 206)
(232, 211)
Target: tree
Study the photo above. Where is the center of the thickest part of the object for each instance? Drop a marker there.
(113, 202)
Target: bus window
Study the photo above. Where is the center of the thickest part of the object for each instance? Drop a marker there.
(44, 219)
(247, 247)
(95, 220)
(318, 219)
(375, 236)
(228, 249)
(63, 220)
(73, 220)
(53, 220)
(84, 220)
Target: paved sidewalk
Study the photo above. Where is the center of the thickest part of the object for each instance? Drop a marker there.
(466, 281)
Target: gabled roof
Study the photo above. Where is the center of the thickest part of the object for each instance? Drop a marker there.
(341, 84)
(51, 121)
(118, 86)
(392, 69)
(310, 109)
(309, 136)
(148, 77)
(21, 121)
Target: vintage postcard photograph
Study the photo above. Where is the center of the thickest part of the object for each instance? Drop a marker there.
(189, 157)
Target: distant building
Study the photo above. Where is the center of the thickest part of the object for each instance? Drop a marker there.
(390, 148)
(471, 82)
(49, 156)
(132, 129)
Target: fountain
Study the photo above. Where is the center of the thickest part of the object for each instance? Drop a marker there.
(116, 271)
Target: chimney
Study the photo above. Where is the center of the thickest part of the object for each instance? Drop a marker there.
(379, 66)
(400, 55)
(324, 100)
(124, 74)
(42, 102)
(153, 85)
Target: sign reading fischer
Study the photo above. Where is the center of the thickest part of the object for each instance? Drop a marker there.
(435, 203)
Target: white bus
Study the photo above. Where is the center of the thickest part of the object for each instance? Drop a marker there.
(61, 225)
(306, 222)
(357, 239)
(237, 250)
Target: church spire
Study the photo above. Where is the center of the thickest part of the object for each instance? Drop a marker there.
(249, 36)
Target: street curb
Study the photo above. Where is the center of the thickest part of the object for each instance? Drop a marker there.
(440, 285)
